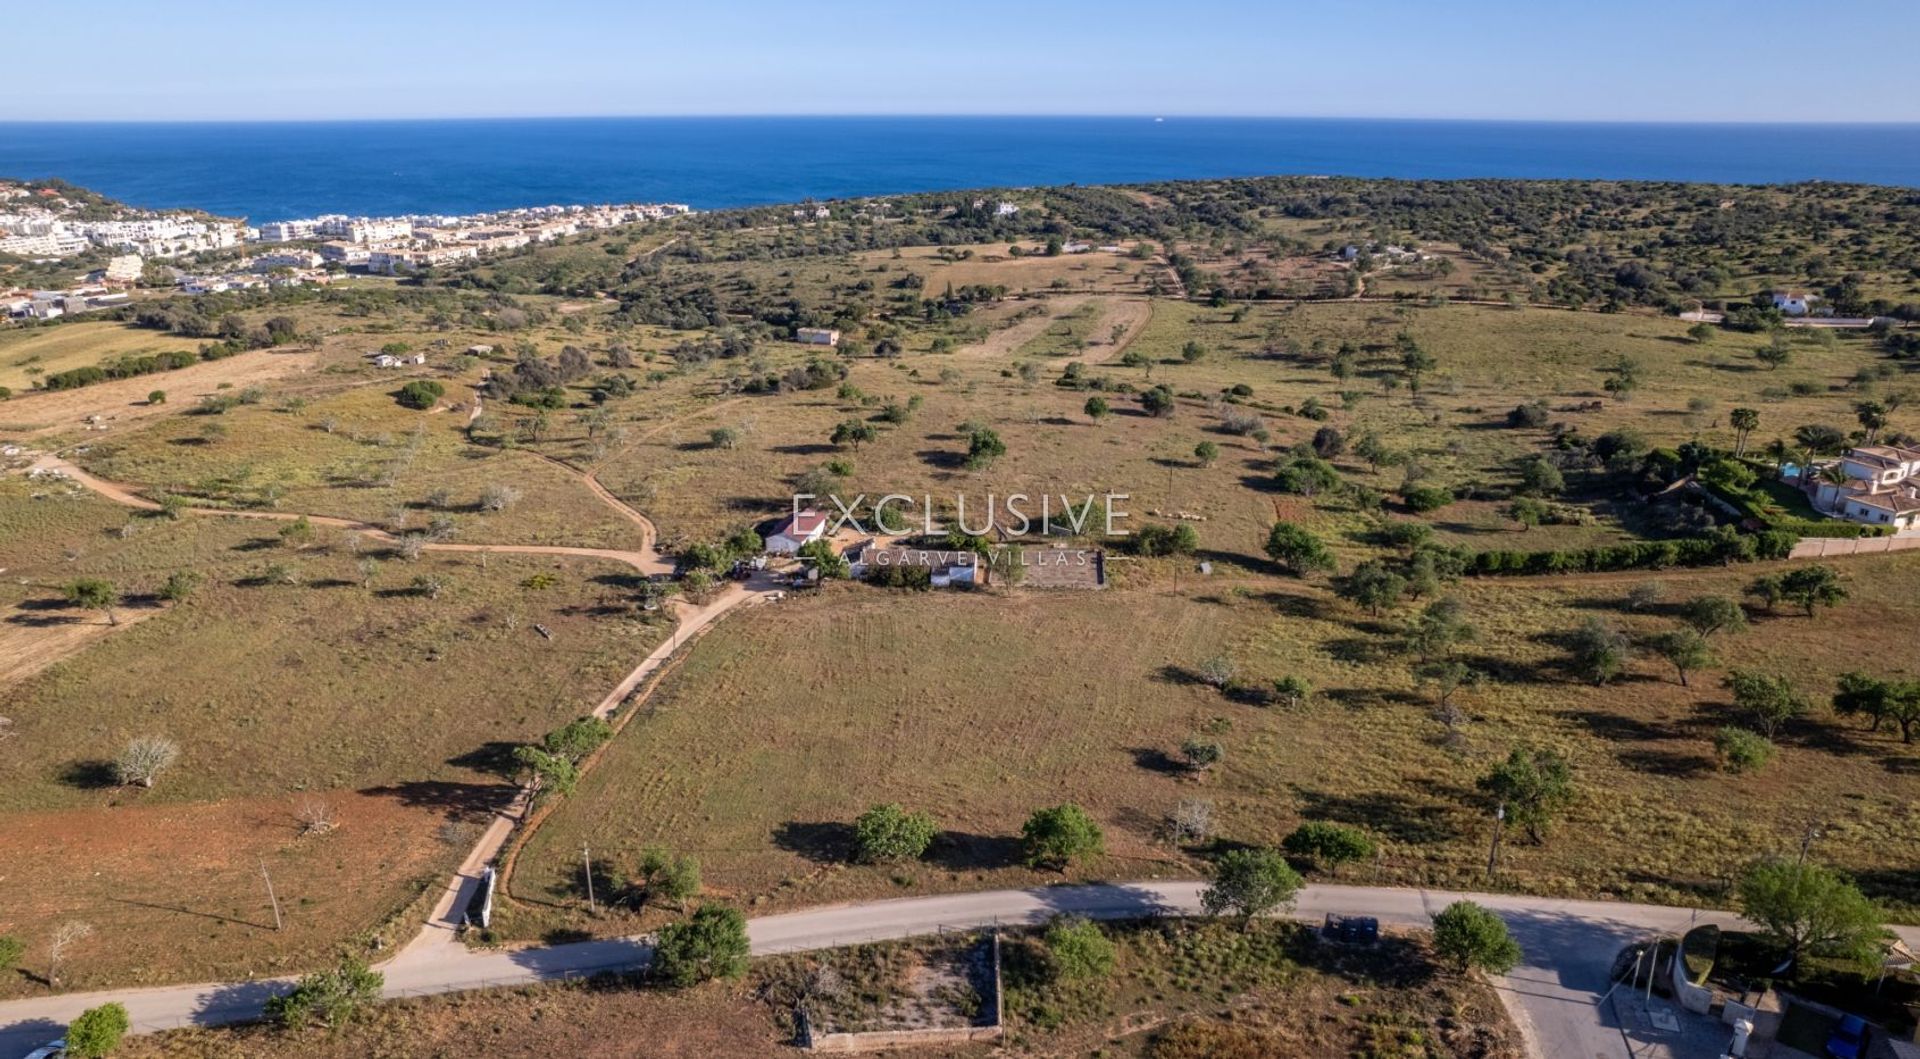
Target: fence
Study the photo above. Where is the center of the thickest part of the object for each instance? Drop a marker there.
(1826, 547)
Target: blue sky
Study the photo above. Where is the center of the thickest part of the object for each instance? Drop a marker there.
(1677, 60)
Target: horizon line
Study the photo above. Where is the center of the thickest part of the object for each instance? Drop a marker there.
(979, 116)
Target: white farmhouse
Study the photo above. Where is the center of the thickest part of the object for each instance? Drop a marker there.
(1792, 302)
(803, 528)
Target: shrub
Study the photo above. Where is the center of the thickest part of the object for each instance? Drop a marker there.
(712, 943)
(1078, 949)
(420, 394)
(97, 1031)
(1469, 937)
(329, 998)
(1424, 498)
(1157, 540)
(11, 949)
(891, 833)
(1297, 549)
(1741, 750)
(1250, 882)
(1328, 844)
(1058, 836)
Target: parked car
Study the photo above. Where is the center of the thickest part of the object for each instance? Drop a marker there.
(1358, 929)
(50, 1050)
(1849, 1037)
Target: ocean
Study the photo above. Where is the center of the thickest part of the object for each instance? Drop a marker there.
(274, 171)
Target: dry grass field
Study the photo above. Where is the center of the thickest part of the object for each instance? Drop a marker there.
(393, 706)
(357, 454)
(1489, 359)
(26, 354)
(358, 685)
(756, 755)
(174, 891)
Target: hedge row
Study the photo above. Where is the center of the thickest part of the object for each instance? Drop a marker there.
(1710, 550)
(1807, 527)
(120, 368)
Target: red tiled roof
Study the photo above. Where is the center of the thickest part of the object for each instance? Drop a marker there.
(803, 524)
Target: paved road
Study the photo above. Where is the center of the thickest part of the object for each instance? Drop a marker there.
(1569, 948)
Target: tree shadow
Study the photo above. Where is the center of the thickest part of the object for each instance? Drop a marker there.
(961, 851)
(456, 799)
(1356, 650)
(1396, 816)
(942, 459)
(1179, 676)
(1666, 762)
(89, 775)
(235, 1002)
(1154, 759)
(824, 842)
(1617, 728)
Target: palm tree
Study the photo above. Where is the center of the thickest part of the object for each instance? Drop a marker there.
(1872, 416)
(1833, 474)
(1743, 420)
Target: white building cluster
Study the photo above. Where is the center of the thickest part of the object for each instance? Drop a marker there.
(393, 245)
(40, 223)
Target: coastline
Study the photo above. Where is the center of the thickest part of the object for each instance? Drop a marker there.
(271, 171)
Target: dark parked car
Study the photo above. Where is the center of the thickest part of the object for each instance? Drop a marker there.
(1849, 1037)
(1360, 929)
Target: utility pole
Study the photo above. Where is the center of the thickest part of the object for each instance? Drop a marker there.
(271, 898)
(1499, 827)
(588, 861)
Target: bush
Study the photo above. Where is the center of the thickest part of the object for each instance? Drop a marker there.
(1078, 949)
(328, 998)
(1328, 844)
(1468, 936)
(710, 944)
(1741, 750)
(1058, 836)
(890, 833)
(11, 949)
(1424, 498)
(97, 1031)
(1153, 539)
(420, 394)
(1250, 882)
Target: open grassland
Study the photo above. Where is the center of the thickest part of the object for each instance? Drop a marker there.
(992, 265)
(360, 455)
(1488, 360)
(174, 892)
(122, 403)
(385, 690)
(351, 677)
(28, 353)
(756, 755)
